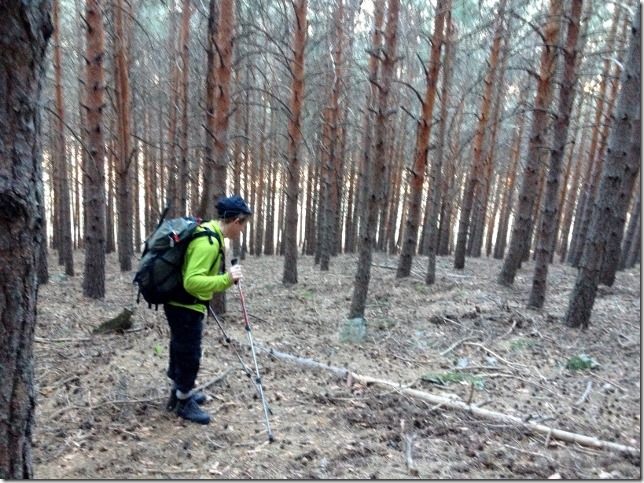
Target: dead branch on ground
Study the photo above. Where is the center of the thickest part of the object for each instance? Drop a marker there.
(472, 409)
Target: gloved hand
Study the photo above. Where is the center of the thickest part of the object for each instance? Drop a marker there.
(235, 273)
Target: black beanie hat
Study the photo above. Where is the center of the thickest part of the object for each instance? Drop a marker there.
(232, 207)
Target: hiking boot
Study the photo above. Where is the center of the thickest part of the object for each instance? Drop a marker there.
(199, 398)
(190, 410)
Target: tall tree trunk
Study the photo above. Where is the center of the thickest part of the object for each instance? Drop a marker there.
(572, 194)
(603, 109)
(436, 174)
(631, 232)
(295, 134)
(65, 247)
(222, 96)
(325, 214)
(207, 207)
(366, 159)
(94, 168)
(537, 152)
(622, 159)
(311, 204)
(423, 134)
(550, 206)
(478, 228)
(25, 28)
(374, 190)
(124, 199)
(220, 132)
(184, 59)
(451, 187)
(171, 167)
(475, 173)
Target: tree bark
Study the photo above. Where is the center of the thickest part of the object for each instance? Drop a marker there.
(65, 247)
(537, 151)
(550, 206)
(436, 173)
(475, 172)
(25, 28)
(622, 157)
(595, 158)
(94, 169)
(421, 152)
(124, 198)
(632, 231)
(374, 193)
(295, 134)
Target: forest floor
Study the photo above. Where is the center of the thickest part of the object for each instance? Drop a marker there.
(101, 398)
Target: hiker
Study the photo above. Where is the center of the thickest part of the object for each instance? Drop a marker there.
(203, 274)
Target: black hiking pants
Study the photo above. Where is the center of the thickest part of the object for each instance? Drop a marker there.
(186, 327)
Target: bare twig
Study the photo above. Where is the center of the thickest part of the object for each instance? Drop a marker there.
(514, 324)
(409, 459)
(584, 396)
(495, 354)
(217, 379)
(457, 343)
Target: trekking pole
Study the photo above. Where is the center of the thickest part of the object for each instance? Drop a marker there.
(252, 349)
(244, 366)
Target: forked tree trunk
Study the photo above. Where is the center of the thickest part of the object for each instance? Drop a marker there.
(550, 206)
(520, 240)
(622, 159)
(423, 134)
(94, 168)
(25, 28)
(295, 134)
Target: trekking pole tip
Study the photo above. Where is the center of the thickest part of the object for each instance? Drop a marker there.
(271, 439)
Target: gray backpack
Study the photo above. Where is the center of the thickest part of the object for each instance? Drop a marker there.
(158, 275)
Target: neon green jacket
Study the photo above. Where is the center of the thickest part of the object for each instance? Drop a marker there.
(199, 279)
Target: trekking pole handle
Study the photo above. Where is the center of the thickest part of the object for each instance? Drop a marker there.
(233, 262)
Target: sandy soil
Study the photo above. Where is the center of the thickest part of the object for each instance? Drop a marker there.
(101, 398)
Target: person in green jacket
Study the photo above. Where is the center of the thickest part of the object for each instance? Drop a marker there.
(203, 275)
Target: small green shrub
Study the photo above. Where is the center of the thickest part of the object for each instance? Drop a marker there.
(581, 362)
(520, 343)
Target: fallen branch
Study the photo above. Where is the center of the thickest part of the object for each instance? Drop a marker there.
(53, 341)
(460, 405)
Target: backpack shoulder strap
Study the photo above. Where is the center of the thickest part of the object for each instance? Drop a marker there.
(210, 234)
